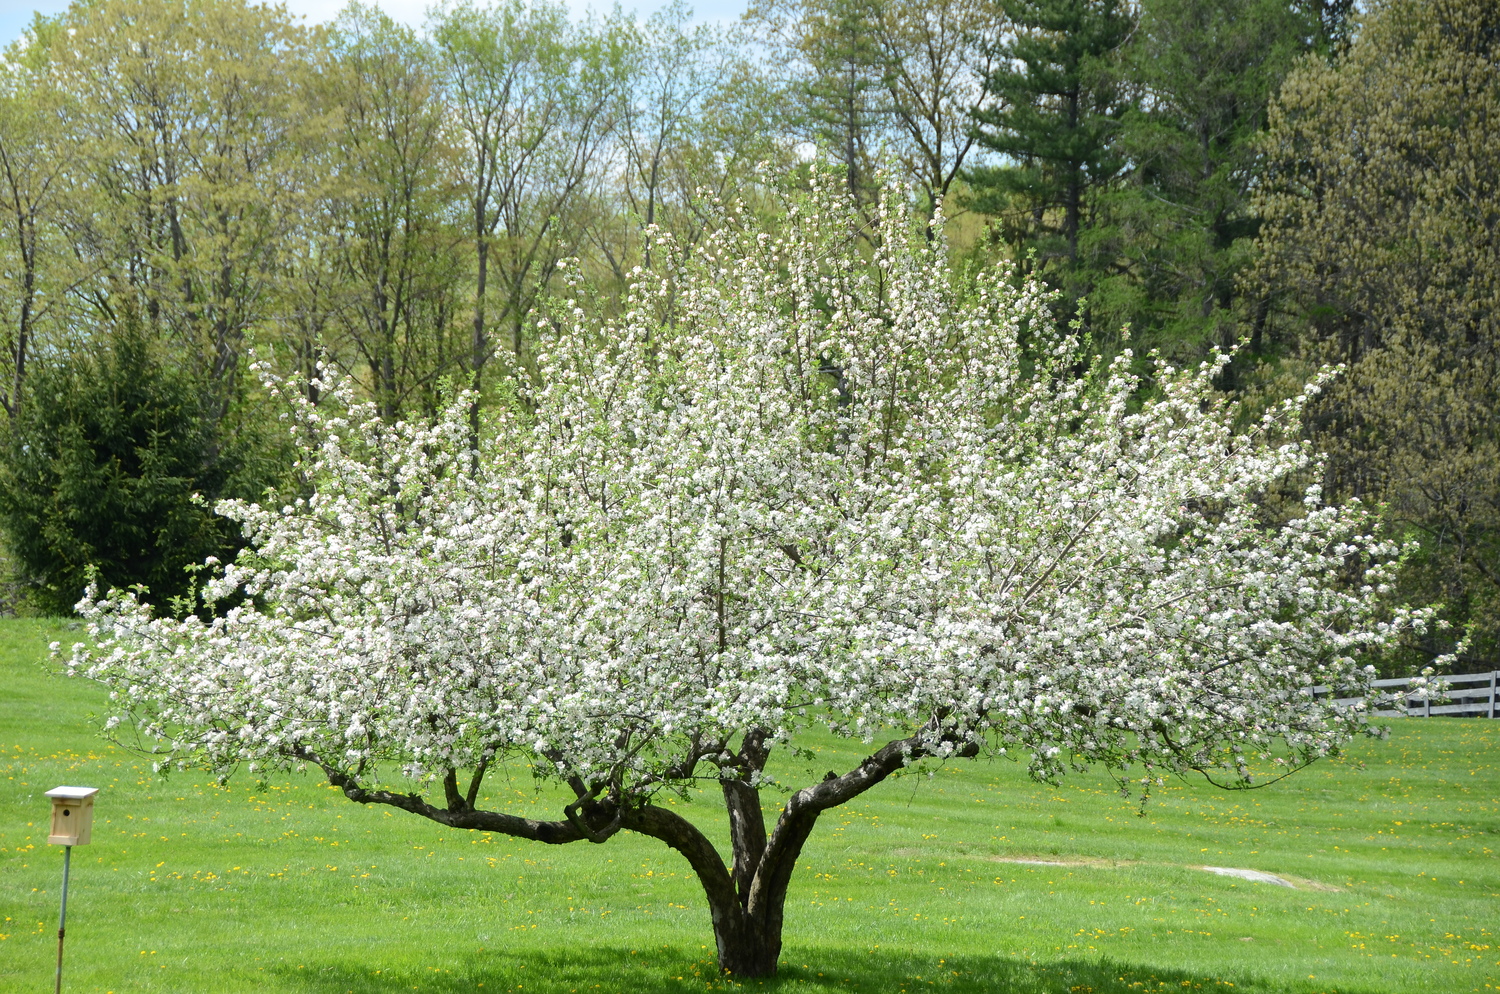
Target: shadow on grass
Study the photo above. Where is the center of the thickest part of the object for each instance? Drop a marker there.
(673, 970)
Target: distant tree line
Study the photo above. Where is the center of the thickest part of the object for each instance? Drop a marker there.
(190, 187)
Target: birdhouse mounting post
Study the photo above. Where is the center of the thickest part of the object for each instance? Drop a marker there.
(72, 825)
(62, 919)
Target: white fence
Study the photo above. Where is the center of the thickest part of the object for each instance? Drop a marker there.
(1470, 695)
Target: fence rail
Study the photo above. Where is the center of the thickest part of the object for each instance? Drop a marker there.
(1469, 695)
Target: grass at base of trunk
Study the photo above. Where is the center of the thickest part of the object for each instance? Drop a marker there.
(189, 887)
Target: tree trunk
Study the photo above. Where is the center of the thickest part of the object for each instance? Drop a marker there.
(480, 346)
(746, 947)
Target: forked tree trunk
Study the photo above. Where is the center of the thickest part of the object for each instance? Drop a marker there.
(746, 946)
(747, 900)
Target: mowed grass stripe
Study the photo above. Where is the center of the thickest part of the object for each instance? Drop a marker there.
(190, 887)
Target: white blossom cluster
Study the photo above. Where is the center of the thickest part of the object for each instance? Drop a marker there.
(805, 478)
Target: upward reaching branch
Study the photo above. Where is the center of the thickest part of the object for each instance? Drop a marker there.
(747, 825)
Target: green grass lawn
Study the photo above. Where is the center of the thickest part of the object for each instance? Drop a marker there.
(188, 887)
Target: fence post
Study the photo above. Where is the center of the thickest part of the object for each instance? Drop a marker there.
(1494, 674)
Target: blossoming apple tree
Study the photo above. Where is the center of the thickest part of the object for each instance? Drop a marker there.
(799, 482)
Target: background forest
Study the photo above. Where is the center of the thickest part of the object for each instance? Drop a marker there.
(194, 191)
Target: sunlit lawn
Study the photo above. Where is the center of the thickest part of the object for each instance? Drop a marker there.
(188, 887)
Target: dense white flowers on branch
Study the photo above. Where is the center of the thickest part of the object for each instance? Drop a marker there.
(801, 481)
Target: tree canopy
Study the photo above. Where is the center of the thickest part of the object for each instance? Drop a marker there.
(786, 487)
(1057, 107)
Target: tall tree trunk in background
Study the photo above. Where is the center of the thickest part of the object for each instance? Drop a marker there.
(397, 156)
(534, 95)
(30, 165)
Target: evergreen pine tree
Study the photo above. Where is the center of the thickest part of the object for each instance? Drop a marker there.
(1057, 107)
(1178, 230)
(99, 470)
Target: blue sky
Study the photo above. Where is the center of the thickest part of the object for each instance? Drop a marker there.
(16, 14)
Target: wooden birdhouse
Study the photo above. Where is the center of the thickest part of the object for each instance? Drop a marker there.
(72, 815)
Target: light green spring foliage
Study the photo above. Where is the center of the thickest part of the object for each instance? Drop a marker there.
(226, 182)
(152, 175)
(183, 132)
(362, 194)
(1382, 189)
(535, 99)
(885, 80)
(397, 268)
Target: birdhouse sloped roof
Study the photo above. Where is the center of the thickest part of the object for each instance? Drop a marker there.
(73, 793)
